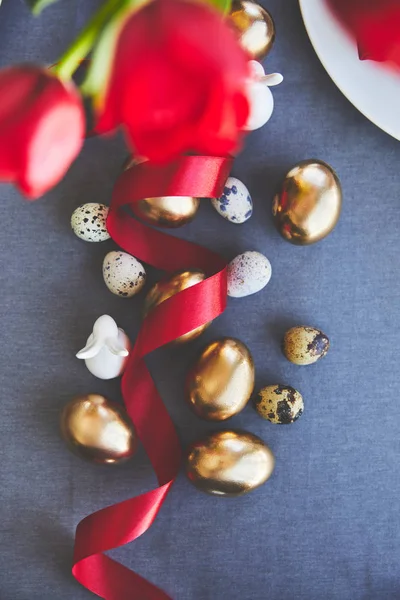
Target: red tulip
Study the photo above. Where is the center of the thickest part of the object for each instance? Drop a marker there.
(178, 82)
(42, 126)
(376, 26)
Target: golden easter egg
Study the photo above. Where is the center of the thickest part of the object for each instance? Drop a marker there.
(166, 211)
(221, 381)
(163, 211)
(98, 430)
(254, 26)
(169, 286)
(308, 204)
(229, 463)
(305, 345)
(279, 404)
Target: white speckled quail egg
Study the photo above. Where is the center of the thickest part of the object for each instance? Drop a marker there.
(279, 404)
(235, 204)
(88, 222)
(248, 273)
(305, 345)
(123, 274)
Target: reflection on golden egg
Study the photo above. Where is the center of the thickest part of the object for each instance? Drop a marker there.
(221, 381)
(166, 211)
(163, 211)
(255, 27)
(308, 204)
(98, 430)
(229, 463)
(169, 286)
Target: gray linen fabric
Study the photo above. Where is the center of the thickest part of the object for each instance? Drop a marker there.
(326, 526)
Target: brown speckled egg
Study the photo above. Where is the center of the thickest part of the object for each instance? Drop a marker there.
(88, 222)
(280, 404)
(305, 345)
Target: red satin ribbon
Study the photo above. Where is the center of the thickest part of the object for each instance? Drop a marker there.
(199, 176)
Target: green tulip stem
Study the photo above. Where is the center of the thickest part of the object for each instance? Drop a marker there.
(84, 42)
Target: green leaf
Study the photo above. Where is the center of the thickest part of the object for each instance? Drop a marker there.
(223, 5)
(95, 84)
(102, 59)
(37, 6)
(84, 42)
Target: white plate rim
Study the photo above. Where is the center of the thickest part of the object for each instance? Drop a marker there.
(364, 68)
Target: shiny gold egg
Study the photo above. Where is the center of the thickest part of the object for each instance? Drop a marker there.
(169, 286)
(308, 205)
(305, 345)
(229, 463)
(98, 430)
(164, 211)
(279, 404)
(221, 381)
(254, 26)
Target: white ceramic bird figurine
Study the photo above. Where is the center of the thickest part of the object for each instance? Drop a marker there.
(106, 350)
(260, 96)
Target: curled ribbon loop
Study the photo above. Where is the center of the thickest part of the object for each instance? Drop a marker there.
(114, 526)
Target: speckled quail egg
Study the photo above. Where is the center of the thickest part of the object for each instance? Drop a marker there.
(248, 273)
(280, 404)
(123, 274)
(88, 222)
(305, 345)
(235, 204)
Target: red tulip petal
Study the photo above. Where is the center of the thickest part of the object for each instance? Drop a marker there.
(54, 145)
(375, 24)
(178, 82)
(42, 126)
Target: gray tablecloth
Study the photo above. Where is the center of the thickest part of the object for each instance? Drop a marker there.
(326, 525)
